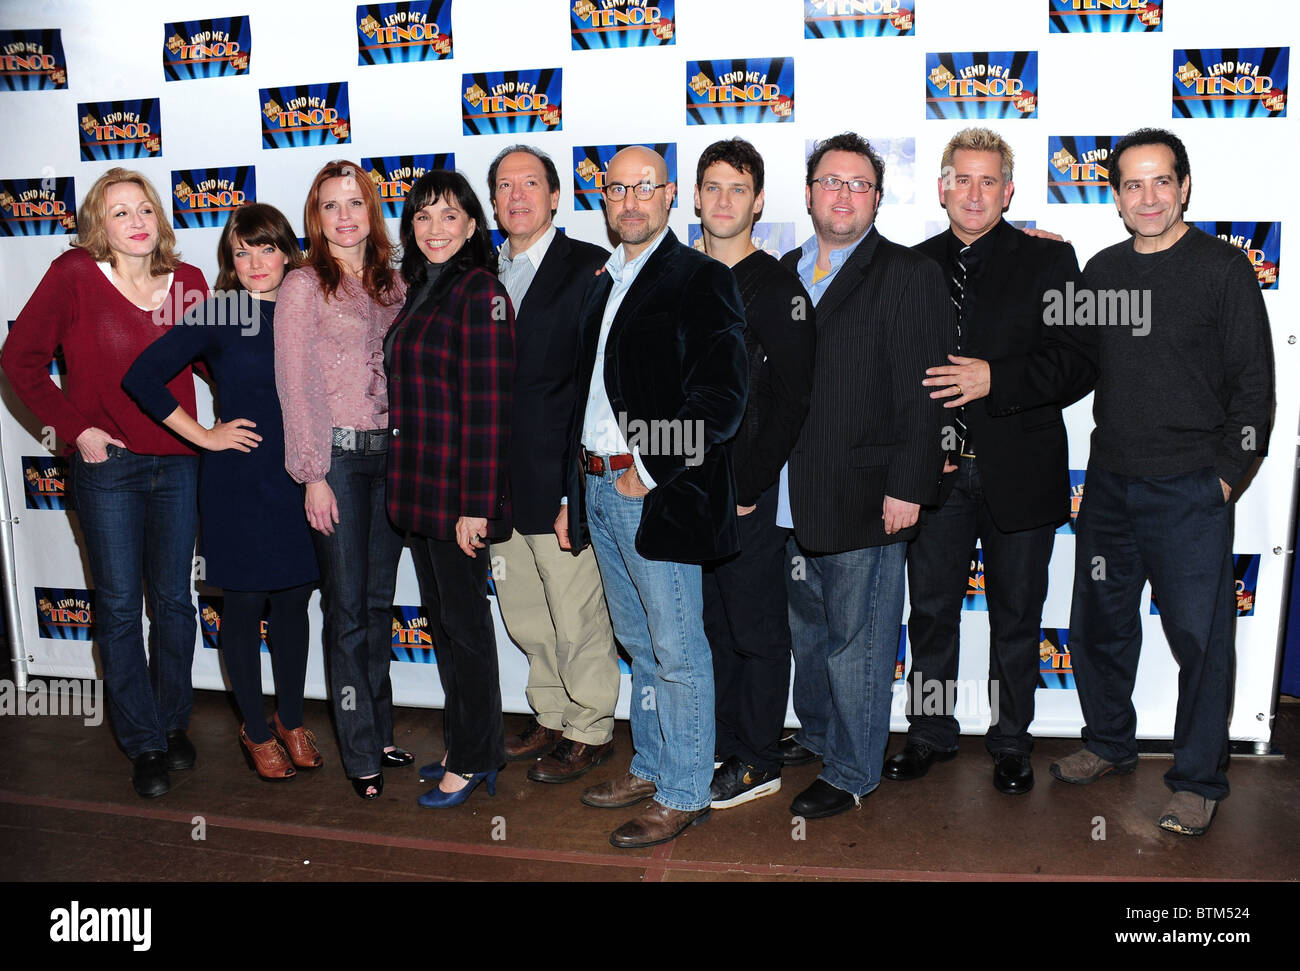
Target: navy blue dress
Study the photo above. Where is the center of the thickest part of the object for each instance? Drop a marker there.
(253, 533)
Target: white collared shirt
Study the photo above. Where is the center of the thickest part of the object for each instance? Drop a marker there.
(516, 270)
(601, 433)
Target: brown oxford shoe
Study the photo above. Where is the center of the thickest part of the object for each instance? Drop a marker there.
(299, 743)
(570, 760)
(533, 741)
(626, 790)
(658, 824)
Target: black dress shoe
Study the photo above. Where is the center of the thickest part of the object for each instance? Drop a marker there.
(792, 753)
(913, 762)
(150, 774)
(821, 799)
(1012, 773)
(396, 759)
(180, 750)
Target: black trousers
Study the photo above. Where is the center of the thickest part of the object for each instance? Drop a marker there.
(746, 621)
(1015, 585)
(453, 588)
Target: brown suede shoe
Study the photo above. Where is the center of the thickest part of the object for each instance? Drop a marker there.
(626, 790)
(658, 824)
(533, 741)
(1188, 813)
(570, 760)
(299, 743)
(1083, 768)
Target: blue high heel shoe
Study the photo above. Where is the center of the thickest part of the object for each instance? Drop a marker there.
(437, 799)
(432, 772)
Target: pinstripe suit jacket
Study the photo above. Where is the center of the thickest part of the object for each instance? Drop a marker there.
(872, 430)
(449, 392)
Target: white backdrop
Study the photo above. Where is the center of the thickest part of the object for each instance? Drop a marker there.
(1088, 84)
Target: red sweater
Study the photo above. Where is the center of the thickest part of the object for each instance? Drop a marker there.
(102, 333)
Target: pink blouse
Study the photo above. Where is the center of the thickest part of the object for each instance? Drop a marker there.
(329, 366)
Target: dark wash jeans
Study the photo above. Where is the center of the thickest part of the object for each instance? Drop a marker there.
(139, 515)
(358, 570)
(1177, 530)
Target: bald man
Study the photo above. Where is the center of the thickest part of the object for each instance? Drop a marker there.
(663, 371)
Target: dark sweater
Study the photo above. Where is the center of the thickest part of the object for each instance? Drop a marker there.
(1197, 390)
(780, 341)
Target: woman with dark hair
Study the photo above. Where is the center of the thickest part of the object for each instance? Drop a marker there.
(450, 360)
(329, 369)
(131, 482)
(254, 538)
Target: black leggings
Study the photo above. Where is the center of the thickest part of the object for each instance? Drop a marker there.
(241, 644)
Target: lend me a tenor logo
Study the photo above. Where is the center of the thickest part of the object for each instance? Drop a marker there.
(1078, 168)
(206, 197)
(212, 48)
(858, 18)
(64, 614)
(493, 102)
(1261, 242)
(305, 114)
(621, 23)
(996, 84)
(393, 176)
(38, 207)
(45, 481)
(395, 33)
(1246, 82)
(1104, 16)
(120, 129)
(740, 90)
(32, 60)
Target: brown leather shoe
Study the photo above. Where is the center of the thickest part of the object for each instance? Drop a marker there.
(658, 824)
(626, 790)
(267, 758)
(533, 741)
(570, 760)
(300, 743)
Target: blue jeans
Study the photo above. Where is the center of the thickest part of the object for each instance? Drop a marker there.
(1177, 530)
(358, 573)
(657, 609)
(139, 515)
(846, 611)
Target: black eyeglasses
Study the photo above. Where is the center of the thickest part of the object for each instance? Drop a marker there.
(832, 184)
(644, 191)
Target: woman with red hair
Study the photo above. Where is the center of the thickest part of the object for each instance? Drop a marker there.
(330, 323)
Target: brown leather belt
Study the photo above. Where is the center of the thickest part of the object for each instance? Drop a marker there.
(597, 464)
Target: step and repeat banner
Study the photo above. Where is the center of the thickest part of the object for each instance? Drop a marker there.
(222, 104)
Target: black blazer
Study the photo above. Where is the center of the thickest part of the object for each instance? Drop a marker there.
(676, 351)
(1017, 431)
(546, 348)
(872, 430)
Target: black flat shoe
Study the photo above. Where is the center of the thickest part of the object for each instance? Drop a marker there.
(1012, 773)
(821, 799)
(396, 759)
(150, 774)
(913, 761)
(369, 788)
(792, 753)
(180, 750)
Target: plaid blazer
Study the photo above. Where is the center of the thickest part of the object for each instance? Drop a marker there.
(450, 369)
